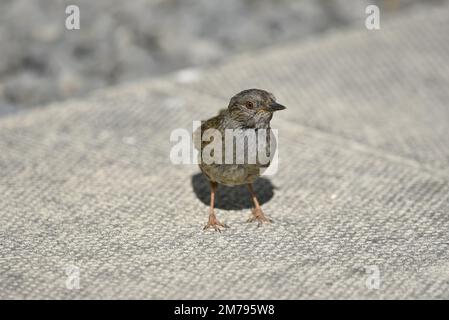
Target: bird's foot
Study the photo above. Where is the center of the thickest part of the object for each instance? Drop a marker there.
(259, 216)
(214, 223)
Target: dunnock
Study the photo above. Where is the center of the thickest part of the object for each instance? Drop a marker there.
(250, 109)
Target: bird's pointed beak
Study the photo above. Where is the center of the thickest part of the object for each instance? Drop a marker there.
(275, 107)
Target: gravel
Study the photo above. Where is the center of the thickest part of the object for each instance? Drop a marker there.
(41, 61)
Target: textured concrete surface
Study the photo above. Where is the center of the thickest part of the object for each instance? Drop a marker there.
(363, 180)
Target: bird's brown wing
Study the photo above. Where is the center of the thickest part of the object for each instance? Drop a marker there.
(212, 123)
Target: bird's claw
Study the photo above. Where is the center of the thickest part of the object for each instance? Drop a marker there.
(215, 224)
(259, 216)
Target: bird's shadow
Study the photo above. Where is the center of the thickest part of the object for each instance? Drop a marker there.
(232, 198)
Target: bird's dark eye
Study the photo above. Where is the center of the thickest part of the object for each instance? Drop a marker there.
(249, 105)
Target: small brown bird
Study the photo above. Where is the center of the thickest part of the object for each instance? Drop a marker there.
(249, 109)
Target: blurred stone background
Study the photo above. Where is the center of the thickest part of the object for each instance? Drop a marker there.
(119, 41)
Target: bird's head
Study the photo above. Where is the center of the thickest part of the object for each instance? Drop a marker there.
(253, 108)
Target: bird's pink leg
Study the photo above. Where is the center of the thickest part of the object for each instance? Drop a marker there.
(257, 213)
(213, 221)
